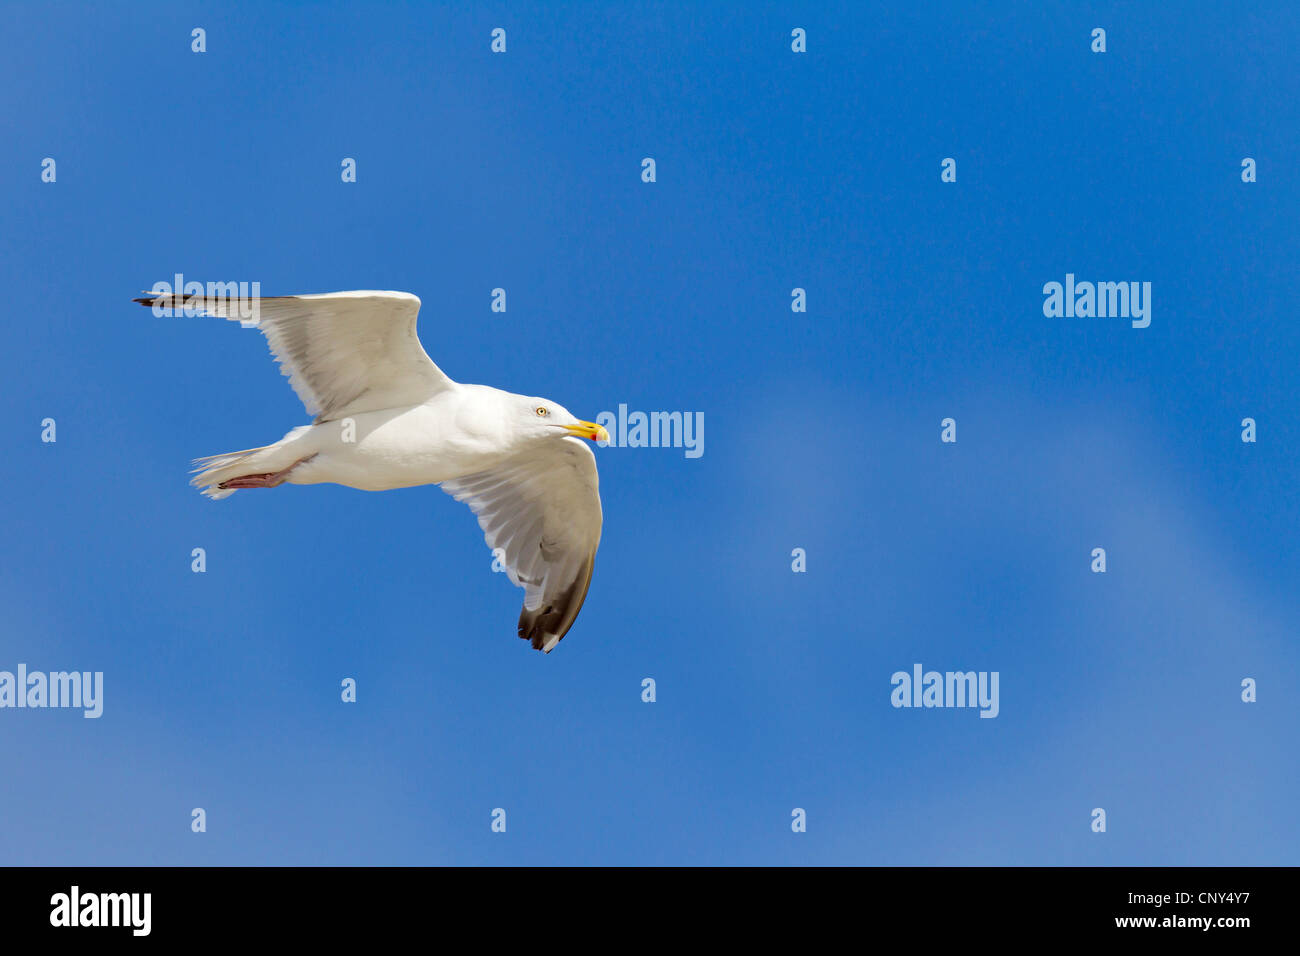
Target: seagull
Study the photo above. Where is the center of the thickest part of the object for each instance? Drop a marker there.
(387, 417)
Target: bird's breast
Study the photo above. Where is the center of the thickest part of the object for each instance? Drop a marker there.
(397, 449)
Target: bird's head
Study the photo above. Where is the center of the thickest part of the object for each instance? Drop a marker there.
(548, 419)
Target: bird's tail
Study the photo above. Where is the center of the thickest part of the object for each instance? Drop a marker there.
(211, 471)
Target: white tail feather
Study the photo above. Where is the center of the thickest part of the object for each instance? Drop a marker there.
(214, 469)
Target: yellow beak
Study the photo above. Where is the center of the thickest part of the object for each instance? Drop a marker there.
(588, 430)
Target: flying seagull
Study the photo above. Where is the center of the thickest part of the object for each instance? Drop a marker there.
(387, 417)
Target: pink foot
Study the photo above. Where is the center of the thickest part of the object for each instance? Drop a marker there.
(265, 480)
(254, 481)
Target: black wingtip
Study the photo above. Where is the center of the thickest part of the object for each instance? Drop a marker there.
(555, 618)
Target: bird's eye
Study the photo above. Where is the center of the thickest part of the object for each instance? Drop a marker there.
(542, 411)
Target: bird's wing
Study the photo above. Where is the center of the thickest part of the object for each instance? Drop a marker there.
(343, 352)
(542, 510)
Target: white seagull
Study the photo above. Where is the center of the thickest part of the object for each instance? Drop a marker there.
(387, 417)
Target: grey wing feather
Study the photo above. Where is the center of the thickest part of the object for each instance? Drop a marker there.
(540, 513)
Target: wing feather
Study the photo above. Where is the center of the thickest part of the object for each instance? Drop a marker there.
(343, 352)
(543, 510)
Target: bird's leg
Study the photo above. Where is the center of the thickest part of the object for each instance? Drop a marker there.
(266, 480)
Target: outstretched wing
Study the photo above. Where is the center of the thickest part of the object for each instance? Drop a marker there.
(542, 511)
(343, 352)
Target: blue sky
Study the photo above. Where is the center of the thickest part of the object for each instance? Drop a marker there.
(775, 170)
